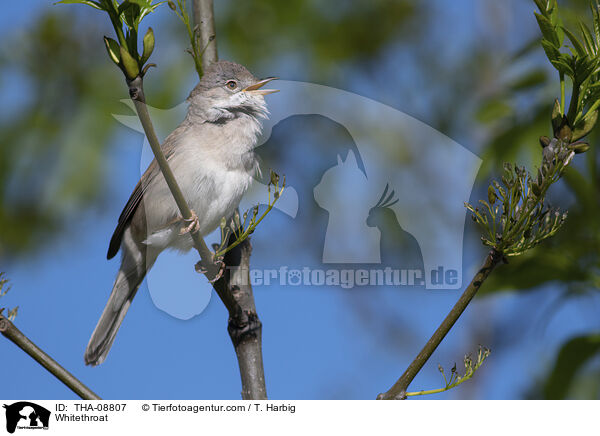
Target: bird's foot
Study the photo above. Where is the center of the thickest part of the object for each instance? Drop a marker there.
(218, 264)
(193, 224)
(221, 270)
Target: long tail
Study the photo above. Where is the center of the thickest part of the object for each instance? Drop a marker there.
(136, 261)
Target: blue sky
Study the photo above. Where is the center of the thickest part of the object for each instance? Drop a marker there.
(319, 342)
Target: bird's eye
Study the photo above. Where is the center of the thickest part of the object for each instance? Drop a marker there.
(231, 84)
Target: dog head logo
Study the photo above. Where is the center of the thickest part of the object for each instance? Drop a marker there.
(26, 415)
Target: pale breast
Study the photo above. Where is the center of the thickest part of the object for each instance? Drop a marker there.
(213, 179)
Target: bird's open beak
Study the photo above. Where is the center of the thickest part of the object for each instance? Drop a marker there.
(255, 88)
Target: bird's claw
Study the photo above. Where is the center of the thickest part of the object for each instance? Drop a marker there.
(202, 269)
(193, 224)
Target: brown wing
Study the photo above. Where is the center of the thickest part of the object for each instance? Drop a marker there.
(138, 194)
(130, 208)
(128, 211)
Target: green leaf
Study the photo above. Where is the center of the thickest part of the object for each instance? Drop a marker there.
(113, 49)
(557, 116)
(95, 5)
(548, 30)
(148, 45)
(596, 19)
(563, 67)
(141, 3)
(541, 4)
(147, 10)
(492, 195)
(588, 39)
(583, 68)
(131, 15)
(571, 358)
(576, 44)
(561, 35)
(123, 7)
(579, 147)
(552, 52)
(556, 21)
(553, 11)
(585, 126)
(131, 66)
(593, 94)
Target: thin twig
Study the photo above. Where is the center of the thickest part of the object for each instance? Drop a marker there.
(456, 379)
(8, 330)
(398, 391)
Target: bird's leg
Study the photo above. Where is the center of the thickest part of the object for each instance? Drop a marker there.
(193, 224)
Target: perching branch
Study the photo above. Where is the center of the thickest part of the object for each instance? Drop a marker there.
(234, 288)
(244, 326)
(9, 331)
(398, 391)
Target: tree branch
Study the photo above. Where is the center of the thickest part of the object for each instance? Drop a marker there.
(234, 288)
(204, 19)
(398, 391)
(8, 330)
(244, 326)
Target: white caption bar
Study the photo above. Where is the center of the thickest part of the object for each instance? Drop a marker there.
(152, 417)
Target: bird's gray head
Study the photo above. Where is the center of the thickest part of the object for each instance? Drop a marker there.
(228, 90)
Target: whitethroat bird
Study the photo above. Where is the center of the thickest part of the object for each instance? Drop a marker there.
(211, 154)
